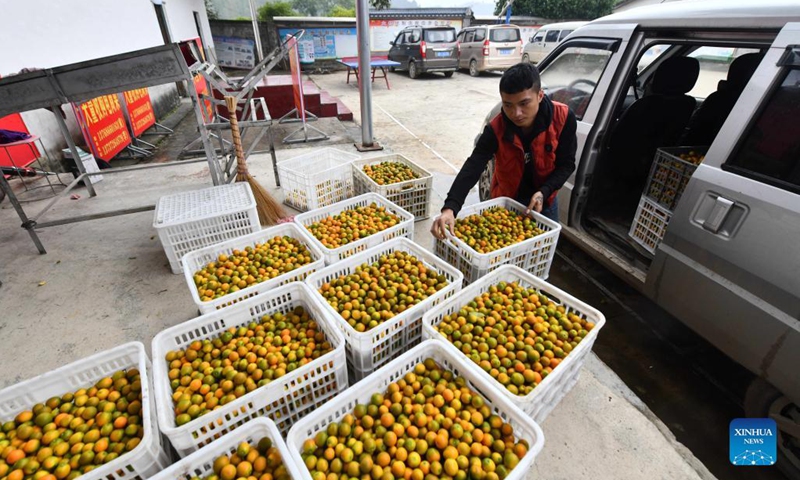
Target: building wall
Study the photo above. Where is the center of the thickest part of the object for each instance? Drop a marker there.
(47, 33)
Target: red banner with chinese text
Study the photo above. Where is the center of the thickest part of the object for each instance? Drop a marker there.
(140, 110)
(297, 78)
(104, 126)
(202, 89)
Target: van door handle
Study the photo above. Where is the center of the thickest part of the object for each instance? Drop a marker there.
(718, 213)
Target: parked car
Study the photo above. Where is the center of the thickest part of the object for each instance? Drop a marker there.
(489, 47)
(426, 49)
(545, 40)
(727, 265)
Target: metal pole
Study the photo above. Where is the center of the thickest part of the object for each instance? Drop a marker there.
(27, 224)
(72, 148)
(364, 83)
(256, 34)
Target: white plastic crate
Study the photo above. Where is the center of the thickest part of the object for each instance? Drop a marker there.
(541, 401)
(316, 179)
(284, 400)
(670, 174)
(144, 461)
(412, 195)
(524, 427)
(534, 255)
(649, 224)
(405, 228)
(192, 220)
(198, 259)
(201, 463)
(367, 351)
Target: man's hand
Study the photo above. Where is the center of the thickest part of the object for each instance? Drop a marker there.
(446, 221)
(537, 202)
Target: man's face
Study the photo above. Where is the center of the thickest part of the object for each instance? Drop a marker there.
(521, 108)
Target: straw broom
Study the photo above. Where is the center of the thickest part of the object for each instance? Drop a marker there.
(269, 210)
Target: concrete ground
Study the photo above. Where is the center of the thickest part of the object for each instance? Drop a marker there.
(105, 282)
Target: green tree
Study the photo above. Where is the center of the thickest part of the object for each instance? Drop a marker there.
(340, 11)
(559, 9)
(275, 9)
(317, 8)
(211, 10)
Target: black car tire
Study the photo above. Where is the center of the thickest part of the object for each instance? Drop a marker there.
(413, 71)
(392, 69)
(762, 400)
(473, 69)
(448, 74)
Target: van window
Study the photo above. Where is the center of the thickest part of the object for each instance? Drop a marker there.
(552, 36)
(444, 35)
(480, 34)
(650, 55)
(469, 36)
(572, 76)
(504, 35)
(538, 38)
(714, 63)
(564, 34)
(770, 151)
(412, 36)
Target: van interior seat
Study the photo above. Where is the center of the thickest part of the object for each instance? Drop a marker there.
(708, 119)
(655, 120)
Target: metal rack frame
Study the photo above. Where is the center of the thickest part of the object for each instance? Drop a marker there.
(51, 88)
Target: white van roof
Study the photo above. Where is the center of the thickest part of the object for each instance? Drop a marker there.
(563, 26)
(716, 14)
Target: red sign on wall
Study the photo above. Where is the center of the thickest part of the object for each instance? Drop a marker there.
(140, 110)
(105, 127)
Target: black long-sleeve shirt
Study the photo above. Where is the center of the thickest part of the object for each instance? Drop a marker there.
(487, 147)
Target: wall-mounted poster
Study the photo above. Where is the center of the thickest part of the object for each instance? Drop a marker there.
(385, 31)
(329, 43)
(235, 52)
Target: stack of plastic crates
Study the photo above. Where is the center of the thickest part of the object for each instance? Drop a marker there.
(669, 176)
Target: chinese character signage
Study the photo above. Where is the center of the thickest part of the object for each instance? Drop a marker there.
(104, 126)
(140, 110)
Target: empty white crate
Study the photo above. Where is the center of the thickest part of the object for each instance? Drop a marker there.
(404, 228)
(541, 401)
(649, 224)
(198, 259)
(413, 196)
(200, 464)
(284, 400)
(524, 427)
(188, 221)
(316, 179)
(533, 255)
(367, 351)
(144, 461)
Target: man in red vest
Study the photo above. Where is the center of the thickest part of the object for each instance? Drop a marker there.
(533, 141)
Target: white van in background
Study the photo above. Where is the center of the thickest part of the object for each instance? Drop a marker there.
(546, 39)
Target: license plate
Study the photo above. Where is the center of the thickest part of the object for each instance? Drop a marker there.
(506, 51)
(442, 54)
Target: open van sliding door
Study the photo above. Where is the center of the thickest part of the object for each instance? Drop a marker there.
(729, 265)
(569, 75)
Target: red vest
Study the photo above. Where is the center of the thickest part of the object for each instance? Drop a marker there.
(509, 162)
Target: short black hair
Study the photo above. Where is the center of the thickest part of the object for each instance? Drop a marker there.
(520, 77)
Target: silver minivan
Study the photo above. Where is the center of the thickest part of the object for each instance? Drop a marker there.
(546, 39)
(489, 47)
(712, 76)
